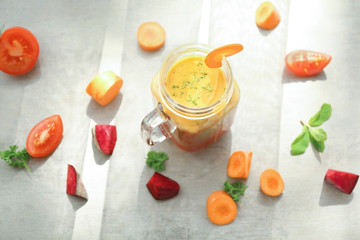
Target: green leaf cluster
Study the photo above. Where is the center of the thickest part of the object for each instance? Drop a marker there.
(156, 160)
(316, 136)
(16, 158)
(235, 190)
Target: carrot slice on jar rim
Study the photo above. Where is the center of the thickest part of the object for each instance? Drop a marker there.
(215, 57)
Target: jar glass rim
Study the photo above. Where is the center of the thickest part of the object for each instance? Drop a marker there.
(188, 50)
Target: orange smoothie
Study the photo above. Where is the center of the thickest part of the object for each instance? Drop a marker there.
(192, 84)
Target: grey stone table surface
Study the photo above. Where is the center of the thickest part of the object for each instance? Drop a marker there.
(79, 39)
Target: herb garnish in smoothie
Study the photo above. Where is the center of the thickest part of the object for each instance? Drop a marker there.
(192, 84)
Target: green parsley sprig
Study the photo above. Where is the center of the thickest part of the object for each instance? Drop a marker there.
(235, 190)
(156, 160)
(16, 158)
(317, 136)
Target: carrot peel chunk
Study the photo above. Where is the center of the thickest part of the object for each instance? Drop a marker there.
(104, 87)
(267, 16)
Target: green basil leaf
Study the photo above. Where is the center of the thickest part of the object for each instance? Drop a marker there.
(318, 134)
(320, 146)
(321, 116)
(299, 145)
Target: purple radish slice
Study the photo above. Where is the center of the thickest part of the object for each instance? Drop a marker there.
(343, 181)
(105, 137)
(74, 184)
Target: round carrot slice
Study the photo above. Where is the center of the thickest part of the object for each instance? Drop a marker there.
(215, 57)
(271, 183)
(151, 36)
(221, 208)
(267, 16)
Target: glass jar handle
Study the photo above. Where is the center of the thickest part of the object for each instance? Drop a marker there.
(156, 126)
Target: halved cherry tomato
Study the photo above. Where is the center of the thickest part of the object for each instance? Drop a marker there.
(19, 51)
(306, 63)
(44, 138)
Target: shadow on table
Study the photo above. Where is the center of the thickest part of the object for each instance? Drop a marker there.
(103, 114)
(150, 54)
(289, 77)
(266, 200)
(331, 196)
(37, 162)
(197, 173)
(316, 153)
(76, 202)
(264, 32)
(100, 158)
(28, 78)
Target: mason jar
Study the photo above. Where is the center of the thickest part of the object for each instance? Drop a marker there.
(190, 128)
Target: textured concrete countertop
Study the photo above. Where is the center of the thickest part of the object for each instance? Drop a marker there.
(79, 39)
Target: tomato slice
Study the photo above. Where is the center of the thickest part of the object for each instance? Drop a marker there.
(306, 63)
(44, 138)
(19, 51)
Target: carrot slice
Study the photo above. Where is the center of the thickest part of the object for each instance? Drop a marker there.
(215, 57)
(221, 208)
(239, 164)
(267, 16)
(271, 182)
(104, 87)
(151, 36)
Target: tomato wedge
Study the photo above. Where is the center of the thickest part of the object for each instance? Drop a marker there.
(44, 138)
(306, 63)
(19, 51)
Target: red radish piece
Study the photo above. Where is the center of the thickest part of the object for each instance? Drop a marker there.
(162, 187)
(74, 184)
(105, 138)
(343, 181)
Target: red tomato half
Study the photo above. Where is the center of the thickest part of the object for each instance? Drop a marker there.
(306, 63)
(44, 138)
(19, 51)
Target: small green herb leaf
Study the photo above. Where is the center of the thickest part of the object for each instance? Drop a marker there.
(235, 190)
(320, 146)
(299, 145)
(321, 116)
(16, 158)
(156, 160)
(318, 134)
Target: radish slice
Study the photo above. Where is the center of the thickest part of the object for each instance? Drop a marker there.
(343, 181)
(105, 137)
(74, 184)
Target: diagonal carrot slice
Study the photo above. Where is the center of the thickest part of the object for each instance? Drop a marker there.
(214, 58)
(239, 164)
